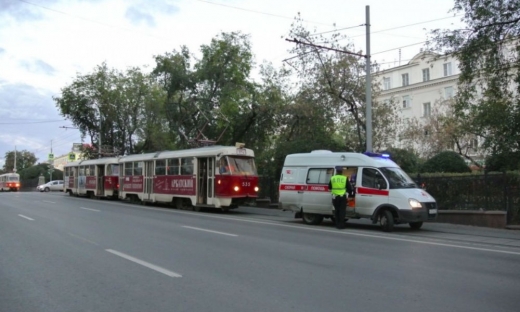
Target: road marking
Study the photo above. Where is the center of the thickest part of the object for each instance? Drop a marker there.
(90, 209)
(210, 231)
(144, 263)
(26, 217)
(48, 202)
(302, 227)
(83, 239)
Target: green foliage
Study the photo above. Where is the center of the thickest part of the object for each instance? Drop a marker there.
(446, 161)
(35, 171)
(406, 159)
(124, 107)
(505, 161)
(488, 92)
(24, 159)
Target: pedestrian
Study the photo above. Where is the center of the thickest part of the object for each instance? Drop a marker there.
(339, 186)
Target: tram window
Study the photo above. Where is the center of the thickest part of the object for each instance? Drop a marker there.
(138, 168)
(81, 171)
(173, 166)
(128, 169)
(186, 166)
(113, 170)
(92, 170)
(160, 167)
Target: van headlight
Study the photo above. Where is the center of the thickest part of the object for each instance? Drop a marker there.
(414, 203)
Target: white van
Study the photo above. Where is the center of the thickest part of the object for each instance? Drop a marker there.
(384, 193)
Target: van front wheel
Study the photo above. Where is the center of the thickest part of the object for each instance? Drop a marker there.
(312, 218)
(386, 220)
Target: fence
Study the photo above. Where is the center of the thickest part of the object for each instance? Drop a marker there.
(484, 192)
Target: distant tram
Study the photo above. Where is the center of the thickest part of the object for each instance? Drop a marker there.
(10, 182)
(221, 177)
(92, 178)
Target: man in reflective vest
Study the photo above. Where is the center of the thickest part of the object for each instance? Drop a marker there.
(339, 186)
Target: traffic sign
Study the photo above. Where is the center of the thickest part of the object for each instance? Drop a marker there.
(51, 156)
(72, 156)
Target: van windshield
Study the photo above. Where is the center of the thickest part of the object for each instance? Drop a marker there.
(397, 178)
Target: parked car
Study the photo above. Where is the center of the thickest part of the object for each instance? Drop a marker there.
(56, 185)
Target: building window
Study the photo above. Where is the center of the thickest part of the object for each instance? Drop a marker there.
(426, 74)
(473, 143)
(447, 69)
(448, 92)
(427, 109)
(407, 103)
(387, 83)
(406, 81)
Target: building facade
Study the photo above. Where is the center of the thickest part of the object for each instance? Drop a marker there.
(421, 91)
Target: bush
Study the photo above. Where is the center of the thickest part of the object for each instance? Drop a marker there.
(407, 160)
(446, 161)
(508, 161)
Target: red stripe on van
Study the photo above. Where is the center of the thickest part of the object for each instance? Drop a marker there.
(303, 187)
(292, 187)
(371, 191)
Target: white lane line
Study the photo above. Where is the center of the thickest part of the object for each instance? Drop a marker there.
(307, 228)
(210, 231)
(144, 263)
(48, 202)
(83, 239)
(25, 217)
(90, 209)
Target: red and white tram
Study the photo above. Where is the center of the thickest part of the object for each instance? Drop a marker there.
(93, 178)
(210, 177)
(10, 182)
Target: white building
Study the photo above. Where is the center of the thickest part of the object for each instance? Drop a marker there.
(419, 89)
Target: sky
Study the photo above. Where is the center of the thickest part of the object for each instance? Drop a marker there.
(45, 44)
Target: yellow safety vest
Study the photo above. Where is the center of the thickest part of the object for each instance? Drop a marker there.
(339, 184)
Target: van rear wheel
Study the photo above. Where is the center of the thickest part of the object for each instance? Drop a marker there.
(312, 218)
(386, 221)
(416, 225)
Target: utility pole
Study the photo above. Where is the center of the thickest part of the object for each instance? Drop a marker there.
(51, 165)
(100, 123)
(368, 90)
(14, 167)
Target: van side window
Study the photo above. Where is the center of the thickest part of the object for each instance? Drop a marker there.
(319, 175)
(372, 178)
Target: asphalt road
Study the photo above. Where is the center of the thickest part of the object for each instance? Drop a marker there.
(60, 253)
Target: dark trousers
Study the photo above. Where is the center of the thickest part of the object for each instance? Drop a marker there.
(340, 209)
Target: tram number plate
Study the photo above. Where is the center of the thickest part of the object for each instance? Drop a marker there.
(433, 211)
(241, 151)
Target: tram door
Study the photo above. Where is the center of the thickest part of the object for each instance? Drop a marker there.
(148, 179)
(205, 178)
(100, 185)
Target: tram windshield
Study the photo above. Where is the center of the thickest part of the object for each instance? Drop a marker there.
(237, 165)
(13, 178)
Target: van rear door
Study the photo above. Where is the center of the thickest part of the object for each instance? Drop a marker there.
(291, 188)
(317, 197)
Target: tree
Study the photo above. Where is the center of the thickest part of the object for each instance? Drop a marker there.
(335, 82)
(114, 103)
(406, 159)
(214, 97)
(489, 83)
(24, 159)
(447, 161)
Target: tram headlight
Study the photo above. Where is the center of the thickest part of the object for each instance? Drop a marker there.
(256, 188)
(236, 188)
